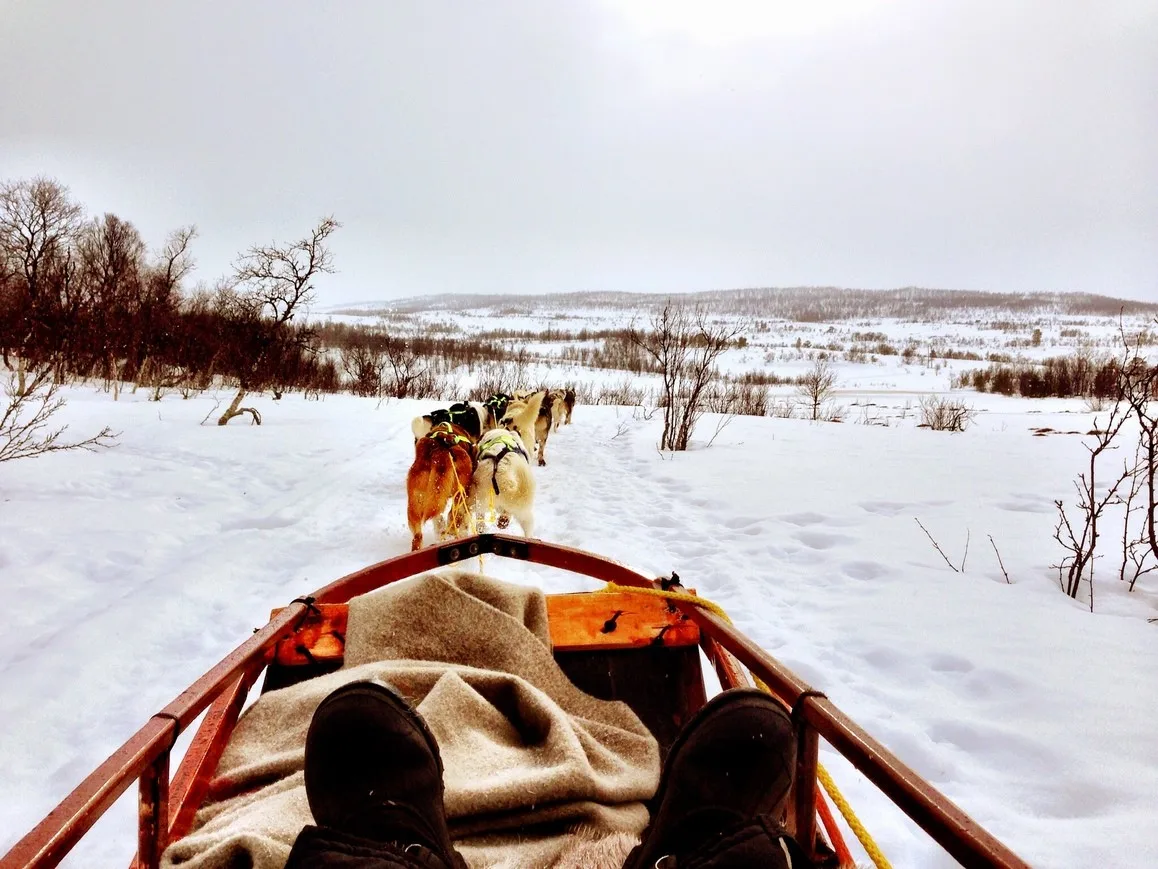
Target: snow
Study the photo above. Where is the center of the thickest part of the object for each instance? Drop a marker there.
(129, 572)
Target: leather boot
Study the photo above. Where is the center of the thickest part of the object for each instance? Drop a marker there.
(373, 771)
(731, 765)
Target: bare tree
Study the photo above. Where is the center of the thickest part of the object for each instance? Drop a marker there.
(685, 346)
(280, 279)
(38, 224)
(1137, 383)
(25, 430)
(1137, 556)
(1079, 536)
(272, 284)
(816, 387)
(159, 306)
(112, 256)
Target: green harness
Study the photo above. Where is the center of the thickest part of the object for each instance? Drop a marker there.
(495, 445)
(447, 436)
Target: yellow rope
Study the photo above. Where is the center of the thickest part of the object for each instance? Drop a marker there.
(472, 521)
(866, 840)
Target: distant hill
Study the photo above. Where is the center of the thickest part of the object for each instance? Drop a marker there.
(799, 304)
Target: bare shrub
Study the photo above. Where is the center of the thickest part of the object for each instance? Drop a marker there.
(870, 415)
(816, 388)
(501, 377)
(684, 345)
(1080, 374)
(364, 366)
(25, 430)
(783, 408)
(941, 413)
(1132, 487)
(1078, 535)
(625, 393)
(1137, 385)
(739, 399)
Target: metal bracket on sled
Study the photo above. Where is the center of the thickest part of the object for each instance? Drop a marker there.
(484, 544)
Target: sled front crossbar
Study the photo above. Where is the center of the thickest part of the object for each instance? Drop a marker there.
(166, 808)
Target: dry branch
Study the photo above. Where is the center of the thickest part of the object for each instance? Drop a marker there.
(952, 566)
(999, 561)
(24, 425)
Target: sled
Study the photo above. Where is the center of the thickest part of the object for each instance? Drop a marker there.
(642, 649)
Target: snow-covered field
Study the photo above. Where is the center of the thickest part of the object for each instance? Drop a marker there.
(129, 572)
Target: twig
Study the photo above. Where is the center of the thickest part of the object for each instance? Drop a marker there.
(952, 567)
(212, 410)
(721, 424)
(966, 555)
(999, 561)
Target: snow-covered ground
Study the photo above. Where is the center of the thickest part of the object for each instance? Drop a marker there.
(129, 572)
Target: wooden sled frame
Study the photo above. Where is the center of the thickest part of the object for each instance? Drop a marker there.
(166, 808)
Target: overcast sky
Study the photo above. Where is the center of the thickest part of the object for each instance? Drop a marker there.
(651, 145)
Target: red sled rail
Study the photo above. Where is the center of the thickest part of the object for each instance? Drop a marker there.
(166, 807)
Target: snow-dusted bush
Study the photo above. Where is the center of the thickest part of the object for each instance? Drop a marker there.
(946, 414)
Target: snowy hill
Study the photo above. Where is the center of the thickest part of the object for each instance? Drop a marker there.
(802, 304)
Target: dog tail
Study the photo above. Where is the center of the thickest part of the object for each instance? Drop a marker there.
(525, 419)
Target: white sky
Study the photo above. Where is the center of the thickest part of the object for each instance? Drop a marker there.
(646, 145)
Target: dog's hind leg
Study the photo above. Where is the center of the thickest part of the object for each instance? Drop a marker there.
(526, 519)
(415, 521)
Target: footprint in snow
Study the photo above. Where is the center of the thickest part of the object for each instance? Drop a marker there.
(1001, 747)
(260, 523)
(950, 664)
(864, 570)
(660, 520)
(739, 523)
(804, 519)
(887, 658)
(822, 539)
(1026, 507)
(884, 508)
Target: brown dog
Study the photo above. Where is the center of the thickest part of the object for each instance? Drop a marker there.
(444, 461)
(568, 403)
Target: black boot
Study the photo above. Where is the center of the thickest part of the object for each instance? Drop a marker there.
(725, 782)
(373, 771)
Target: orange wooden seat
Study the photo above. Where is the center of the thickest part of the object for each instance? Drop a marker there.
(586, 620)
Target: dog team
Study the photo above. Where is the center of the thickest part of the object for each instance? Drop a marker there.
(475, 456)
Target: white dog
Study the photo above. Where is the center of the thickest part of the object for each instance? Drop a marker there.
(503, 478)
(523, 416)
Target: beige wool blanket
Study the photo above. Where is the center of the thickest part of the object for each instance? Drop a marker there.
(533, 765)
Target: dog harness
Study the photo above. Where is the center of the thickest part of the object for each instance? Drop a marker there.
(495, 445)
(498, 404)
(461, 414)
(447, 437)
